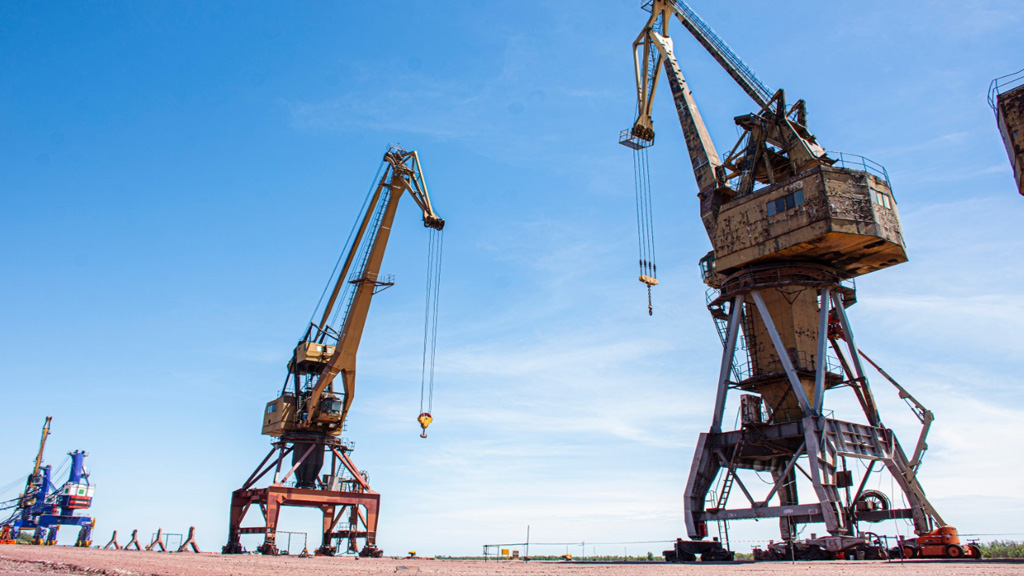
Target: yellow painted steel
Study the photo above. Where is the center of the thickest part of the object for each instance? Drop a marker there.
(424, 419)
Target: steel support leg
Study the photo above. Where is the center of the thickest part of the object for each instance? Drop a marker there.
(728, 354)
(820, 361)
(871, 410)
(273, 512)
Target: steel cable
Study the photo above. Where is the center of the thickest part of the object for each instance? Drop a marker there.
(434, 253)
(645, 221)
(11, 486)
(348, 241)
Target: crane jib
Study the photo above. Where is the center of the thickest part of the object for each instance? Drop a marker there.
(311, 401)
(721, 52)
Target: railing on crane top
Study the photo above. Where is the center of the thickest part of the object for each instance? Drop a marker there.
(858, 162)
(1004, 84)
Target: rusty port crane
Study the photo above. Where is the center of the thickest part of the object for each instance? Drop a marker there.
(790, 225)
(307, 419)
(1006, 97)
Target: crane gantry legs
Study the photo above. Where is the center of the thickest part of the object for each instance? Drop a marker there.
(790, 371)
(348, 504)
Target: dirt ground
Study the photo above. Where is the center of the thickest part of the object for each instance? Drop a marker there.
(36, 560)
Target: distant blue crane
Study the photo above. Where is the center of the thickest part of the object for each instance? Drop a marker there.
(44, 507)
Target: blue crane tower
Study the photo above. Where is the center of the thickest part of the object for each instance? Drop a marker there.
(44, 507)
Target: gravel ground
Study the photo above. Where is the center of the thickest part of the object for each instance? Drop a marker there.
(37, 560)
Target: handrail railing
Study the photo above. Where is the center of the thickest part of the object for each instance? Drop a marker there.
(1002, 84)
(858, 162)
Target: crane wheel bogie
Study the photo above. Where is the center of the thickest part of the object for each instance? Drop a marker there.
(689, 550)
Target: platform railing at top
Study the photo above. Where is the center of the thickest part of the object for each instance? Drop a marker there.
(858, 162)
(1002, 84)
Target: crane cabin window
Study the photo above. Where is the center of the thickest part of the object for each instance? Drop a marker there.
(271, 408)
(881, 198)
(332, 406)
(787, 202)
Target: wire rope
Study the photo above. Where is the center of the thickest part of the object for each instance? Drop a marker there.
(645, 218)
(12, 485)
(61, 469)
(434, 252)
(649, 206)
(348, 242)
(645, 221)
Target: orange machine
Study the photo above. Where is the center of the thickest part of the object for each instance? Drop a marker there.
(942, 542)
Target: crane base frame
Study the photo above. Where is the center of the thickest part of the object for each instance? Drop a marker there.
(822, 443)
(333, 504)
(360, 503)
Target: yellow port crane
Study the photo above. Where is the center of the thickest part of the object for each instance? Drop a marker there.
(308, 417)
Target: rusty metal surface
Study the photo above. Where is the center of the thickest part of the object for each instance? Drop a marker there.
(1010, 115)
(837, 224)
(788, 224)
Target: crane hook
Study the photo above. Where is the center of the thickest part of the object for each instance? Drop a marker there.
(649, 281)
(424, 419)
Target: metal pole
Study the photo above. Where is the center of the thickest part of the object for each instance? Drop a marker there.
(851, 344)
(819, 372)
(728, 353)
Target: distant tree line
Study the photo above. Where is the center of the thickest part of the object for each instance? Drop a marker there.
(1002, 549)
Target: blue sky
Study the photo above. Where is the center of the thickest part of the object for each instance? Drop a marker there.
(177, 179)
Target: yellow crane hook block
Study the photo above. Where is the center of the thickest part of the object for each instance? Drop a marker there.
(424, 419)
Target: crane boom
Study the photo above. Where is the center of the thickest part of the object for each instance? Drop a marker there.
(42, 445)
(721, 52)
(324, 353)
(776, 143)
(403, 173)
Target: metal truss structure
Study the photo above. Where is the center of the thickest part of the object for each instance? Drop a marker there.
(344, 497)
(794, 433)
